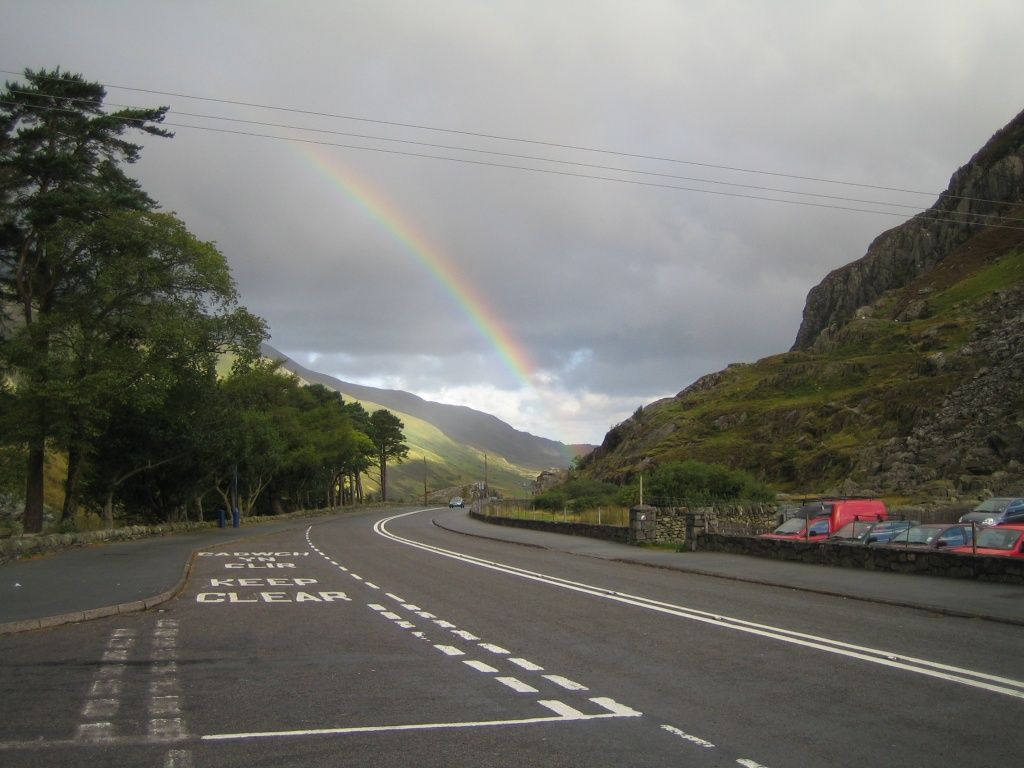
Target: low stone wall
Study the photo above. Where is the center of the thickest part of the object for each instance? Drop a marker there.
(605, 532)
(31, 545)
(929, 563)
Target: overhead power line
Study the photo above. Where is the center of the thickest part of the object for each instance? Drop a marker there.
(498, 137)
(550, 171)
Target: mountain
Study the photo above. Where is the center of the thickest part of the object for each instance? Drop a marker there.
(906, 377)
(453, 438)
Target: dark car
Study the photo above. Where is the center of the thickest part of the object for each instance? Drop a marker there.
(456, 502)
(996, 511)
(933, 536)
(867, 532)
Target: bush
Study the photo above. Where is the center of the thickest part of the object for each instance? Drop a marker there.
(696, 481)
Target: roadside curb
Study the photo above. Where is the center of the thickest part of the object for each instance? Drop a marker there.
(761, 582)
(27, 625)
(134, 606)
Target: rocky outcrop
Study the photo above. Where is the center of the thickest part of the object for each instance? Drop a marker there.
(973, 442)
(987, 186)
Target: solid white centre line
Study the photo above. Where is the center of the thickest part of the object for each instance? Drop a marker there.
(975, 679)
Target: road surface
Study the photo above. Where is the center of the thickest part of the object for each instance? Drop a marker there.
(380, 639)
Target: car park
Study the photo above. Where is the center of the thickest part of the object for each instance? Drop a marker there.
(933, 536)
(816, 520)
(456, 501)
(996, 511)
(997, 541)
(868, 532)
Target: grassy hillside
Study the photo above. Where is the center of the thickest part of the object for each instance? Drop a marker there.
(802, 420)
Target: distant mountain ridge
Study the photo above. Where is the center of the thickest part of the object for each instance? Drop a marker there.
(482, 431)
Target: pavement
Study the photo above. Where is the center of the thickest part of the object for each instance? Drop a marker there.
(103, 580)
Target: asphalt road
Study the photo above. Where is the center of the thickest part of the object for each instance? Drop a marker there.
(367, 643)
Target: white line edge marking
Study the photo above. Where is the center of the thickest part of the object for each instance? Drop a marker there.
(420, 727)
(885, 658)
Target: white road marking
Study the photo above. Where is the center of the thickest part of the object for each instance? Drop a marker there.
(96, 731)
(516, 685)
(465, 635)
(688, 737)
(615, 708)
(372, 586)
(562, 709)
(356, 576)
(377, 607)
(425, 615)
(994, 683)
(529, 666)
(576, 716)
(747, 763)
(96, 709)
(449, 650)
(444, 624)
(495, 649)
(410, 607)
(566, 683)
(392, 616)
(405, 624)
(479, 666)
(396, 598)
(178, 758)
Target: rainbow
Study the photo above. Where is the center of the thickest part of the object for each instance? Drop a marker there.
(440, 269)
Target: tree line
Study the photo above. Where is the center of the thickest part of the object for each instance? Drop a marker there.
(116, 325)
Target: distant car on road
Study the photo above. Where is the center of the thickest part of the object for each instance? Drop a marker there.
(933, 536)
(456, 502)
(996, 511)
(999, 541)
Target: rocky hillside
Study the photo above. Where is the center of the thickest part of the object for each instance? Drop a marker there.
(907, 375)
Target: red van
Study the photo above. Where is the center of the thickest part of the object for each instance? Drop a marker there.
(818, 519)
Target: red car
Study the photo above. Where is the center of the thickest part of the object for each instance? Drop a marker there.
(819, 519)
(999, 540)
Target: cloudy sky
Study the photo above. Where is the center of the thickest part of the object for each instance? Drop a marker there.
(551, 211)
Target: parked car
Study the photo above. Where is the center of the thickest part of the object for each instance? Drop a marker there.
(456, 501)
(1000, 541)
(815, 521)
(867, 532)
(996, 511)
(933, 536)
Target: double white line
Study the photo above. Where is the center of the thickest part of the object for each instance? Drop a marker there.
(994, 683)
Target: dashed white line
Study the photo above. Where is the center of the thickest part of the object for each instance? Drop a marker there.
(563, 710)
(444, 624)
(449, 650)
(465, 635)
(566, 683)
(495, 649)
(747, 763)
(479, 666)
(615, 708)
(516, 684)
(688, 737)
(529, 666)
(396, 598)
